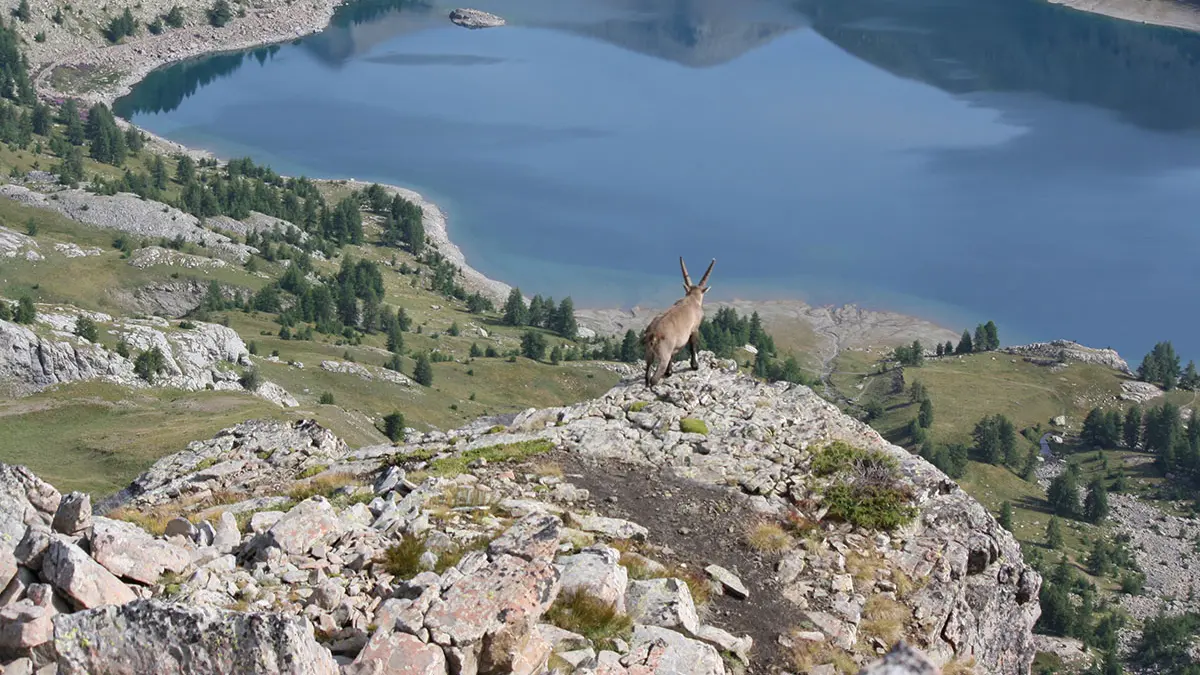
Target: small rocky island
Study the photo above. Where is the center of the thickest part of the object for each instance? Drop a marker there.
(474, 18)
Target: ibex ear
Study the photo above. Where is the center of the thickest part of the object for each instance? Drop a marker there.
(687, 288)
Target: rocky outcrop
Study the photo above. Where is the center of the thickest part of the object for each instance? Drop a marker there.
(251, 458)
(193, 359)
(133, 215)
(16, 245)
(458, 572)
(149, 636)
(474, 18)
(1065, 351)
(29, 361)
(151, 256)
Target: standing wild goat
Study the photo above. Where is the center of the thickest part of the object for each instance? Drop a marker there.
(674, 328)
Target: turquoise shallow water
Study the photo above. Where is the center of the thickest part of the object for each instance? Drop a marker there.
(963, 160)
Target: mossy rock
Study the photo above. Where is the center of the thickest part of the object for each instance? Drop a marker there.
(691, 425)
(638, 406)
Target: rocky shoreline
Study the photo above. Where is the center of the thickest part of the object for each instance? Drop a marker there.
(1167, 13)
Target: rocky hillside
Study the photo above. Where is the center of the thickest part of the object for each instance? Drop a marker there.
(701, 528)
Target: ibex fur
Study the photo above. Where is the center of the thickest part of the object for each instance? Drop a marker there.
(676, 327)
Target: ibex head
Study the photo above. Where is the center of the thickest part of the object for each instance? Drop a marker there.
(696, 290)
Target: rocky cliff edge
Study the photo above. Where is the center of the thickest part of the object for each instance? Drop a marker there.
(275, 548)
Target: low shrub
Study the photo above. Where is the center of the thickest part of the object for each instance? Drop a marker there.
(691, 425)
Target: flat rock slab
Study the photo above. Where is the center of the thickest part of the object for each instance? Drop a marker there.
(83, 580)
(151, 636)
(730, 581)
(660, 651)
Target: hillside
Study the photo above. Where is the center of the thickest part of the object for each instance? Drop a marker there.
(1131, 563)
(486, 548)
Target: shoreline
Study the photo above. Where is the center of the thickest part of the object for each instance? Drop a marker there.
(835, 328)
(1165, 13)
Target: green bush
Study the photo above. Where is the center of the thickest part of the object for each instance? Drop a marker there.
(866, 490)
(250, 379)
(326, 398)
(149, 363)
(691, 425)
(86, 329)
(393, 427)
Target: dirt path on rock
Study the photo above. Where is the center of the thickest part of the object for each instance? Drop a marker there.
(700, 525)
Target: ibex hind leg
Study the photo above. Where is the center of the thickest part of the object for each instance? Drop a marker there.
(694, 348)
(664, 366)
(649, 368)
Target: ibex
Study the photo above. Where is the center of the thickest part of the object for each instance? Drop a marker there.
(674, 328)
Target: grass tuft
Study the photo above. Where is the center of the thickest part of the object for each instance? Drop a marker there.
(884, 618)
(583, 613)
(324, 486)
(866, 490)
(768, 537)
(807, 655)
(313, 470)
(638, 406)
(403, 559)
(691, 425)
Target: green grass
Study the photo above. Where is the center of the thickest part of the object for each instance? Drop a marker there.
(97, 437)
(591, 617)
(691, 425)
(402, 560)
(510, 452)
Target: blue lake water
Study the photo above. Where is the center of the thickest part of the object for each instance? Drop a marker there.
(962, 160)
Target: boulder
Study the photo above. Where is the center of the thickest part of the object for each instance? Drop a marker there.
(25, 500)
(613, 528)
(312, 521)
(128, 552)
(597, 571)
(389, 653)
(659, 651)
(489, 615)
(8, 566)
(226, 536)
(82, 580)
(532, 537)
(74, 514)
(151, 636)
(666, 603)
(24, 626)
(474, 18)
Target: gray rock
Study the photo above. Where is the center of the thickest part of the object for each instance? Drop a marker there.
(391, 477)
(25, 499)
(82, 580)
(180, 527)
(662, 602)
(8, 566)
(534, 536)
(598, 572)
(263, 520)
(226, 536)
(725, 641)
(74, 514)
(664, 652)
(128, 552)
(389, 653)
(474, 18)
(730, 581)
(146, 637)
(32, 547)
(312, 521)
(613, 528)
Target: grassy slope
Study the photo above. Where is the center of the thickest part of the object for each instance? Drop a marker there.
(96, 437)
(965, 389)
